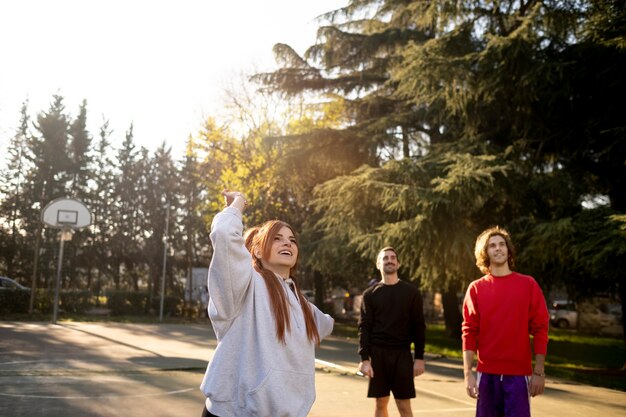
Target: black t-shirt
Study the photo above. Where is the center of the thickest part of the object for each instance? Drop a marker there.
(392, 316)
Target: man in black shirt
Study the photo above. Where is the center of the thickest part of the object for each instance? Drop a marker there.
(392, 318)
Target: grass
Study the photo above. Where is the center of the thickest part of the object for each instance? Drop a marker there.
(587, 359)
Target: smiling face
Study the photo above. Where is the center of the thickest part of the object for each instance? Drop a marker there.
(497, 251)
(488, 255)
(281, 252)
(387, 262)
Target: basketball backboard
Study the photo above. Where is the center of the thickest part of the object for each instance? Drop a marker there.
(66, 213)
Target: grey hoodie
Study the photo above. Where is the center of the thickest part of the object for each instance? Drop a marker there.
(251, 372)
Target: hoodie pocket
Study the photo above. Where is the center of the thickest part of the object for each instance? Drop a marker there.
(282, 394)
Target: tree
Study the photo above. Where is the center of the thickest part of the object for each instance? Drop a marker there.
(11, 207)
(479, 82)
(79, 152)
(428, 209)
(101, 203)
(533, 79)
(80, 174)
(352, 64)
(161, 200)
(126, 226)
(46, 180)
(193, 239)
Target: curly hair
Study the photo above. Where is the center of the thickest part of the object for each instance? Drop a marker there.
(482, 241)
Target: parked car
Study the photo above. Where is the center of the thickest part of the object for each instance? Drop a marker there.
(10, 284)
(605, 317)
(563, 314)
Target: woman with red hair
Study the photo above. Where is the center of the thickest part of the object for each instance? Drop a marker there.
(264, 363)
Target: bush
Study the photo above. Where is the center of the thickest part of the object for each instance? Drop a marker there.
(14, 301)
(70, 301)
(123, 303)
(75, 301)
(120, 303)
(172, 305)
(127, 303)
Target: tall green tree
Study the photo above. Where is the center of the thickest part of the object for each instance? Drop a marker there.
(541, 83)
(80, 176)
(46, 180)
(126, 217)
(12, 205)
(79, 148)
(160, 215)
(193, 240)
(102, 205)
(351, 67)
(495, 91)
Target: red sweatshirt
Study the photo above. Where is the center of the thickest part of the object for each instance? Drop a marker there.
(499, 313)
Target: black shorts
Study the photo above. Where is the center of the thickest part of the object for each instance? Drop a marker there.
(393, 371)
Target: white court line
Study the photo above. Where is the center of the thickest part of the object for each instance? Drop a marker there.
(444, 410)
(97, 397)
(32, 361)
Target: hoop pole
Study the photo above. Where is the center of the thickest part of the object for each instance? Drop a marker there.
(167, 222)
(58, 280)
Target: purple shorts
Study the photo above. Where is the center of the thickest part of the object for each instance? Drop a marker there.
(502, 396)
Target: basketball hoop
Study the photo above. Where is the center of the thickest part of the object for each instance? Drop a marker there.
(63, 213)
(68, 215)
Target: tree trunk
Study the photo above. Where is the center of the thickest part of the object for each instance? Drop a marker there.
(621, 288)
(33, 287)
(452, 314)
(406, 150)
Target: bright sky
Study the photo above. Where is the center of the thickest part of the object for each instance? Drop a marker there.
(159, 64)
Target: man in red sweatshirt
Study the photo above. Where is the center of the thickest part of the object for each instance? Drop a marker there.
(500, 311)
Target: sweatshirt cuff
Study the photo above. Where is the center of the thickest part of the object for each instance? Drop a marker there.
(234, 211)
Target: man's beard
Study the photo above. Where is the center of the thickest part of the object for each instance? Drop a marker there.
(389, 269)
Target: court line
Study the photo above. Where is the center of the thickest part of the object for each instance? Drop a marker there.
(444, 410)
(97, 397)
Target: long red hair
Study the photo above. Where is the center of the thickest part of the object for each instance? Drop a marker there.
(261, 241)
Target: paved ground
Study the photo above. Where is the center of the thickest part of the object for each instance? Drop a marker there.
(113, 369)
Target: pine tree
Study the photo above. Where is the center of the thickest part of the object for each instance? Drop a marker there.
(80, 180)
(161, 200)
(521, 83)
(193, 239)
(126, 227)
(101, 203)
(46, 179)
(11, 208)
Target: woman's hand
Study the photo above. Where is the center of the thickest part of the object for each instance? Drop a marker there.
(235, 199)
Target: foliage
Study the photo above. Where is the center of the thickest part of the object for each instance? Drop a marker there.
(584, 253)
(14, 301)
(427, 209)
